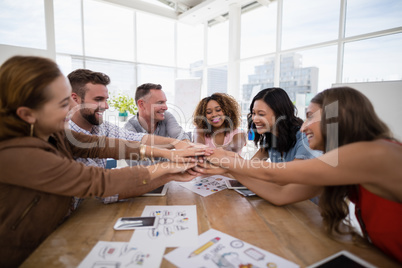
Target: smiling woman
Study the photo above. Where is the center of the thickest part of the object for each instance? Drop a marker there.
(361, 163)
(39, 175)
(217, 119)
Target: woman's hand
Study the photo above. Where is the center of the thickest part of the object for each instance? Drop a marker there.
(221, 156)
(206, 168)
(188, 155)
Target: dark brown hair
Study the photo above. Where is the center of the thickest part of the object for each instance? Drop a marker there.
(230, 109)
(347, 116)
(80, 77)
(23, 82)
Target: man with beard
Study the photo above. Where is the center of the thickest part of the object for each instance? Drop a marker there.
(152, 117)
(90, 92)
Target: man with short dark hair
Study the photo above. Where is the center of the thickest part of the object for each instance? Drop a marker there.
(153, 117)
(89, 90)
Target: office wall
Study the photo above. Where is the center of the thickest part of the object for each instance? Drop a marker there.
(187, 97)
(387, 100)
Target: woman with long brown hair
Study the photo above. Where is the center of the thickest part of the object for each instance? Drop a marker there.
(362, 162)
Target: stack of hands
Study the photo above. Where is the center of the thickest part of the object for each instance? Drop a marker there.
(189, 160)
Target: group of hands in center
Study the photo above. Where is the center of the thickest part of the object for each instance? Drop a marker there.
(189, 160)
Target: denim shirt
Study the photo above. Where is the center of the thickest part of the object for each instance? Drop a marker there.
(301, 150)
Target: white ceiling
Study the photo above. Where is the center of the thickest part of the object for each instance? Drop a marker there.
(186, 11)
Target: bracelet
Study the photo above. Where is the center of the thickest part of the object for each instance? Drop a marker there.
(152, 155)
(142, 151)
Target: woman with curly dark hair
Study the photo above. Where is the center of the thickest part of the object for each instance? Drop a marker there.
(217, 119)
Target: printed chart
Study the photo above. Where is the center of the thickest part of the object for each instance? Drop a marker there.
(121, 254)
(205, 186)
(217, 249)
(177, 226)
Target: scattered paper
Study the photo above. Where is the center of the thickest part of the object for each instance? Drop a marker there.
(217, 249)
(121, 254)
(205, 186)
(177, 226)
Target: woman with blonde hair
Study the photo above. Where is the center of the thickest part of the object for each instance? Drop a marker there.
(362, 163)
(39, 176)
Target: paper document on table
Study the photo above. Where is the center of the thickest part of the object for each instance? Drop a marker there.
(177, 226)
(217, 249)
(121, 254)
(205, 186)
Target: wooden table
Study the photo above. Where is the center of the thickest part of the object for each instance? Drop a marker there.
(293, 232)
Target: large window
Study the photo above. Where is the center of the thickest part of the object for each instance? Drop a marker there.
(158, 75)
(364, 16)
(374, 59)
(309, 22)
(109, 31)
(218, 43)
(190, 44)
(255, 39)
(67, 23)
(134, 47)
(22, 23)
(155, 40)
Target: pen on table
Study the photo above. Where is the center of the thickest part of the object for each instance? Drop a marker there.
(204, 247)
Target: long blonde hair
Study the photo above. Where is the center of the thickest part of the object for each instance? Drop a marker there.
(23, 82)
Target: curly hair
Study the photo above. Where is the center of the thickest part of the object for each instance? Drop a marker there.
(230, 109)
(80, 77)
(287, 123)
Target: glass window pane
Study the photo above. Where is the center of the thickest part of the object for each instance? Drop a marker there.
(255, 75)
(217, 80)
(376, 59)
(158, 75)
(155, 39)
(364, 16)
(67, 64)
(67, 20)
(122, 74)
(308, 71)
(190, 44)
(258, 31)
(22, 23)
(218, 43)
(309, 22)
(109, 31)
(324, 59)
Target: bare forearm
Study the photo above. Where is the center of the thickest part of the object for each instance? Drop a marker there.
(279, 194)
(154, 140)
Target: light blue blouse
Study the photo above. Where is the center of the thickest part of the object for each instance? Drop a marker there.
(301, 150)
